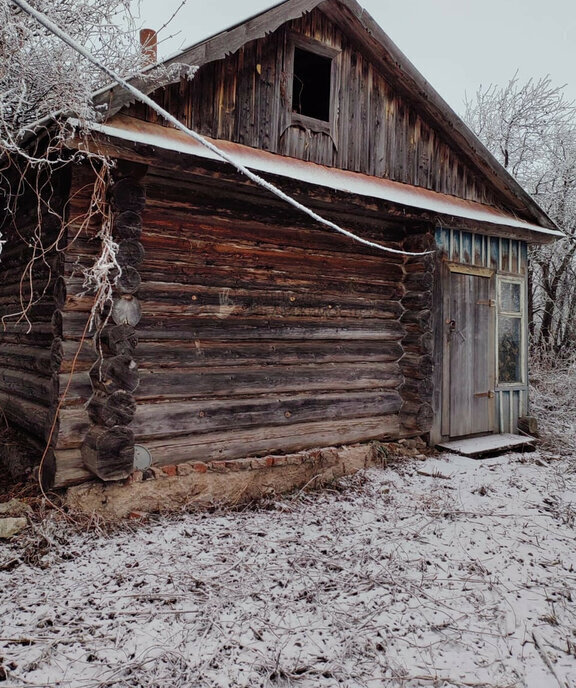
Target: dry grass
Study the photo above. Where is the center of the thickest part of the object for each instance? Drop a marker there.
(553, 402)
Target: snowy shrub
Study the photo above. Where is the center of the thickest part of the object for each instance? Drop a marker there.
(41, 75)
(553, 399)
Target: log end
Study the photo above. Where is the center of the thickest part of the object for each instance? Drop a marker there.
(108, 453)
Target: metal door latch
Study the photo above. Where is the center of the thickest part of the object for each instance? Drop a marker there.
(489, 394)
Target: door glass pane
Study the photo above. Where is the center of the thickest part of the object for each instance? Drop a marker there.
(509, 349)
(510, 297)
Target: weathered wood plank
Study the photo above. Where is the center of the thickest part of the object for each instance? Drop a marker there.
(230, 382)
(114, 373)
(206, 301)
(154, 327)
(182, 418)
(69, 468)
(31, 417)
(200, 353)
(115, 340)
(28, 385)
(127, 225)
(236, 381)
(128, 194)
(27, 358)
(259, 441)
(107, 410)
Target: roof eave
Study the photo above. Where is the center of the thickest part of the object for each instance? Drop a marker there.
(148, 140)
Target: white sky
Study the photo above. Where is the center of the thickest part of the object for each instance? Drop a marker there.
(456, 44)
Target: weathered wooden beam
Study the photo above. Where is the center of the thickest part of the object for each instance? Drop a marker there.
(230, 382)
(115, 373)
(529, 425)
(107, 410)
(416, 366)
(29, 416)
(203, 301)
(108, 453)
(115, 340)
(202, 416)
(130, 253)
(126, 310)
(129, 281)
(259, 441)
(128, 194)
(28, 385)
(417, 416)
(32, 358)
(66, 468)
(127, 225)
(205, 353)
(156, 327)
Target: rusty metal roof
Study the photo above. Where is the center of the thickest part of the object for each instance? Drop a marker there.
(135, 131)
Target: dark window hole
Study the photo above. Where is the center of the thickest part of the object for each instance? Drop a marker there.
(311, 85)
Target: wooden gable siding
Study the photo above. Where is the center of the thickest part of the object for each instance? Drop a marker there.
(244, 98)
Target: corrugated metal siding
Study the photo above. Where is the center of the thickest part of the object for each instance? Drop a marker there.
(503, 255)
(511, 404)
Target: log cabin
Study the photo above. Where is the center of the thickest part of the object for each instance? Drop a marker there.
(238, 326)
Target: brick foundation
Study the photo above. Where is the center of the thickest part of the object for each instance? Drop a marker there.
(199, 484)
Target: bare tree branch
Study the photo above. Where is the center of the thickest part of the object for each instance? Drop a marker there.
(531, 129)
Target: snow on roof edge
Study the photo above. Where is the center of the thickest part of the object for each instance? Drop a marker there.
(320, 175)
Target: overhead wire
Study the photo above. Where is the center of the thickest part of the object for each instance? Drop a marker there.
(146, 100)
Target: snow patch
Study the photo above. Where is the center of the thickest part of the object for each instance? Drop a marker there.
(446, 573)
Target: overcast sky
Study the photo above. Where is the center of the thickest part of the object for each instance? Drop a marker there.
(456, 44)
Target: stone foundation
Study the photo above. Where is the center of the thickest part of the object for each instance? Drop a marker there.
(216, 483)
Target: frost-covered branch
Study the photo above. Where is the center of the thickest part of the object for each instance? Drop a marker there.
(40, 75)
(41, 80)
(531, 129)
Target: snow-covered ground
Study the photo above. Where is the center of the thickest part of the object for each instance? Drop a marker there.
(439, 573)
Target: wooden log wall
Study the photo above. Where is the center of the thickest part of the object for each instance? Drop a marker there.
(261, 333)
(245, 98)
(72, 345)
(416, 415)
(258, 332)
(254, 331)
(30, 268)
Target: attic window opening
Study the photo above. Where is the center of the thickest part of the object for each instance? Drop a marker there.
(311, 85)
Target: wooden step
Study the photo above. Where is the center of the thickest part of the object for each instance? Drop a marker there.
(477, 447)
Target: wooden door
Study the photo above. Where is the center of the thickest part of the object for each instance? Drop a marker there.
(469, 354)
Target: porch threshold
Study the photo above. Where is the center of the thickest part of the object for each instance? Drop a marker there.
(476, 447)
